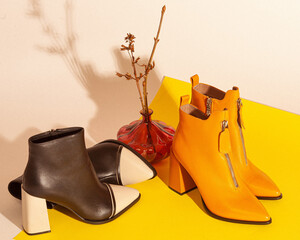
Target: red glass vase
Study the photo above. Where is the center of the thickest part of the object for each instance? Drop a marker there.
(151, 138)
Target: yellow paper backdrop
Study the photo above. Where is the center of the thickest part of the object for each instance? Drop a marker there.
(272, 141)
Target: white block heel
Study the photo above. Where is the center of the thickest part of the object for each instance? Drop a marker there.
(34, 214)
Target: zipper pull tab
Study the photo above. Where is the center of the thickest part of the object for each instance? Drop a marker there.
(224, 138)
(224, 125)
(208, 106)
(239, 103)
(240, 117)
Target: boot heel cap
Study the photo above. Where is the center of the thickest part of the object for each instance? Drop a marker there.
(32, 234)
(183, 192)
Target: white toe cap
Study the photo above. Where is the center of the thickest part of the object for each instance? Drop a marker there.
(124, 196)
(133, 169)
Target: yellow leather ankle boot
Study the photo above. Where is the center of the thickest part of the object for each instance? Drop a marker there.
(209, 99)
(201, 157)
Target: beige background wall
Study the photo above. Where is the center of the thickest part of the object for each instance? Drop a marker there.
(252, 44)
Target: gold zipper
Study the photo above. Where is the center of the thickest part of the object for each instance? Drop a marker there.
(239, 105)
(231, 170)
(225, 125)
(208, 106)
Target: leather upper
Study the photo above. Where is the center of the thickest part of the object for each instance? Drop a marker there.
(59, 170)
(198, 148)
(258, 182)
(106, 159)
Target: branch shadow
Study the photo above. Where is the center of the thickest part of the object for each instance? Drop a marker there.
(116, 99)
(116, 103)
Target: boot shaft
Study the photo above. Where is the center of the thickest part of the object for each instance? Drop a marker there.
(199, 140)
(195, 126)
(209, 99)
(57, 148)
(54, 157)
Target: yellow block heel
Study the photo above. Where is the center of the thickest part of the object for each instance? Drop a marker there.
(179, 179)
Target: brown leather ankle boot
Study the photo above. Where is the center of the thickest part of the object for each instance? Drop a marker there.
(59, 170)
(114, 162)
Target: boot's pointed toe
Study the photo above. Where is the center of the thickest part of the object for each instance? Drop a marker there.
(255, 212)
(117, 163)
(245, 209)
(261, 184)
(250, 208)
(239, 206)
(124, 197)
(132, 169)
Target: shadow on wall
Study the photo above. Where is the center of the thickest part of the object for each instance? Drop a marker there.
(116, 98)
(108, 92)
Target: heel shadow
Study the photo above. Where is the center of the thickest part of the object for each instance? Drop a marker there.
(162, 169)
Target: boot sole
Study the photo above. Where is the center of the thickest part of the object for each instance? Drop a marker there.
(90, 221)
(270, 198)
(107, 220)
(210, 213)
(33, 234)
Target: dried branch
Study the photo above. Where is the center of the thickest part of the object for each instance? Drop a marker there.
(151, 66)
(134, 61)
(129, 39)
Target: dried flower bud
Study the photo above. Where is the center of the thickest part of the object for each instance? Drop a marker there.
(163, 9)
(119, 74)
(128, 76)
(137, 59)
(130, 37)
(123, 47)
